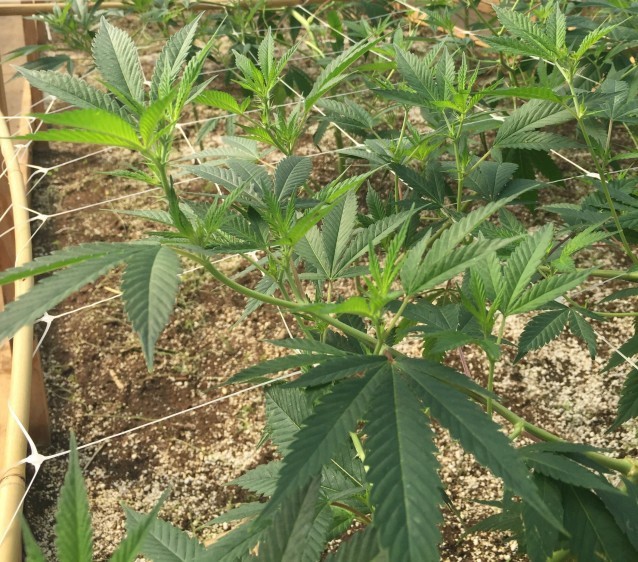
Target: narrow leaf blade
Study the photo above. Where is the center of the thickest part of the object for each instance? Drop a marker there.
(116, 58)
(403, 473)
(149, 288)
(74, 534)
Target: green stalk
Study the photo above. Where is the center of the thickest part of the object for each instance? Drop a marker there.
(397, 188)
(288, 305)
(610, 203)
(460, 179)
(490, 375)
(631, 134)
(293, 280)
(614, 274)
(579, 113)
(397, 316)
(560, 556)
(628, 467)
(478, 162)
(362, 517)
(604, 273)
(397, 193)
(254, 263)
(341, 166)
(616, 314)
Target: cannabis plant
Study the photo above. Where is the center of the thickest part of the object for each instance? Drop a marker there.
(73, 528)
(73, 25)
(444, 260)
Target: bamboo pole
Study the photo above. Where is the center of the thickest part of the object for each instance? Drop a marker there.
(15, 9)
(32, 100)
(12, 484)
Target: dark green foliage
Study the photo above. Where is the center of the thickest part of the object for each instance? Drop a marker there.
(593, 532)
(628, 403)
(541, 539)
(403, 470)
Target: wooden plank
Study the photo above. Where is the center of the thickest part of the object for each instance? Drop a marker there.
(34, 34)
(3, 95)
(12, 485)
(5, 386)
(12, 37)
(15, 9)
(39, 423)
(21, 103)
(5, 377)
(7, 242)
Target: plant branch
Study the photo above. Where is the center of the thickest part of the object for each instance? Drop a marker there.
(628, 467)
(579, 113)
(288, 305)
(361, 516)
(614, 274)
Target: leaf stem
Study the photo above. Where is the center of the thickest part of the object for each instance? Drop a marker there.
(361, 516)
(614, 274)
(579, 113)
(460, 166)
(478, 162)
(616, 314)
(395, 319)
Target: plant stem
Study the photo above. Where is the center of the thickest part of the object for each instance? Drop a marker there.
(490, 375)
(614, 274)
(610, 203)
(628, 467)
(607, 274)
(478, 162)
(361, 516)
(616, 314)
(294, 281)
(288, 305)
(460, 167)
(560, 556)
(339, 144)
(579, 113)
(397, 316)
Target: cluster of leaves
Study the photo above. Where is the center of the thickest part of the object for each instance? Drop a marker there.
(73, 529)
(73, 23)
(444, 259)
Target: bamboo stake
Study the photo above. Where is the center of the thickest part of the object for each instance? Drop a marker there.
(12, 484)
(47, 7)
